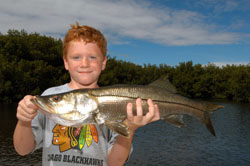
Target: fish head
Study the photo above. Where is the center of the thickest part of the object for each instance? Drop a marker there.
(55, 104)
(72, 106)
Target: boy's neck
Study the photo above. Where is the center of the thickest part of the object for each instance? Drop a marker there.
(80, 86)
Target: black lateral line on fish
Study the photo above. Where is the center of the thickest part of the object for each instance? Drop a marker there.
(176, 104)
(160, 101)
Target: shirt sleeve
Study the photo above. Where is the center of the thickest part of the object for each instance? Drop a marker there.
(38, 126)
(38, 129)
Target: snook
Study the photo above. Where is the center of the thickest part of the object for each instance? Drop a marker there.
(107, 105)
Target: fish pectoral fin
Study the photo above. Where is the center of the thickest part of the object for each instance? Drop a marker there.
(175, 119)
(118, 127)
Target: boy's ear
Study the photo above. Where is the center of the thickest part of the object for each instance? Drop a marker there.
(66, 66)
(104, 62)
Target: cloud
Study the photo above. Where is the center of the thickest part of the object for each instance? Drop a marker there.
(221, 64)
(119, 20)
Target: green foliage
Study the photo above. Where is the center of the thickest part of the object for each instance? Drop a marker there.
(229, 82)
(31, 63)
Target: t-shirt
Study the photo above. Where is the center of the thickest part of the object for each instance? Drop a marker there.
(86, 145)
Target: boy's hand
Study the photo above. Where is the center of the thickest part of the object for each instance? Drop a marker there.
(26, 110)
(139, 120)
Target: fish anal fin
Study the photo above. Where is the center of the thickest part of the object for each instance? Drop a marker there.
(175, 119)
(164, 83)
(118, 127)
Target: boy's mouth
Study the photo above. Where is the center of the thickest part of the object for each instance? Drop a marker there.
(84, 72)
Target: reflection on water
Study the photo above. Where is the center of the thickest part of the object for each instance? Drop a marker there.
(8, 155)
(160, 144)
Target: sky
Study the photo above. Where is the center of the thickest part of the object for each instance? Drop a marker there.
(145, 31)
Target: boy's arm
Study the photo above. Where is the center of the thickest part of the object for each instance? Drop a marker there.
(120, 151)
(23, 138)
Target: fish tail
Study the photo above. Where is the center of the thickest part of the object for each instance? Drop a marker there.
(207, 120)
(208, 123)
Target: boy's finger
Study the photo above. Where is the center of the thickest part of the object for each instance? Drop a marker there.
(130, 111)
(25, 116)
(139, 110)
(151, 111)
(30, 104)
(157, 113)
(29, 113)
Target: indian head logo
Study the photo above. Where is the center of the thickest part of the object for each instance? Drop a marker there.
(70, 137)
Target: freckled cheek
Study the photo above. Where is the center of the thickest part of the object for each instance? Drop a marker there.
(74, 67)
(98, 66)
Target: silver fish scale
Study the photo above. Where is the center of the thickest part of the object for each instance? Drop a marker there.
(147, 92)
(131, 92)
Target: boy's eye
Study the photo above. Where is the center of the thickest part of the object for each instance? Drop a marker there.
(76, 57)
(92, 57)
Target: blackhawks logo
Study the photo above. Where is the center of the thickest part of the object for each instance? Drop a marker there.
(72, 137)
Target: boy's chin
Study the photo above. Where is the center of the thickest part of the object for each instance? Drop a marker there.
(89, 83)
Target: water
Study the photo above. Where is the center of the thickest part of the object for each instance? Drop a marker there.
(8, 156)
(160, 144)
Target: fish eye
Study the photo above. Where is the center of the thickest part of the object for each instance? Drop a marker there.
(56, 98)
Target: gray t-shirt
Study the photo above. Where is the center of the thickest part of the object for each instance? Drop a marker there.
(88, 145)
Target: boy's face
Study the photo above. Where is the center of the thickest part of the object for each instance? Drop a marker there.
(84, 61)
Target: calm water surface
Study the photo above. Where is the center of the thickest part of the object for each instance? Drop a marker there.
(160, 144)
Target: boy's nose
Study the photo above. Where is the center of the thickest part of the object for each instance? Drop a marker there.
(85, 62)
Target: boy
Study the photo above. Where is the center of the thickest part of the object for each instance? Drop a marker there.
(84, 56)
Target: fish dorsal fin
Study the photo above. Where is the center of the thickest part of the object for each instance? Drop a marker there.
(164, 83)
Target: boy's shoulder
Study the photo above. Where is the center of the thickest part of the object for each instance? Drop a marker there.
(57, 89)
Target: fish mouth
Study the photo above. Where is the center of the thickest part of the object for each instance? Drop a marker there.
(41, 104)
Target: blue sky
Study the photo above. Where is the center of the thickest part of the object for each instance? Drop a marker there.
(145, 31)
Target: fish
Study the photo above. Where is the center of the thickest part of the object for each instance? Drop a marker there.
(107, 105)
